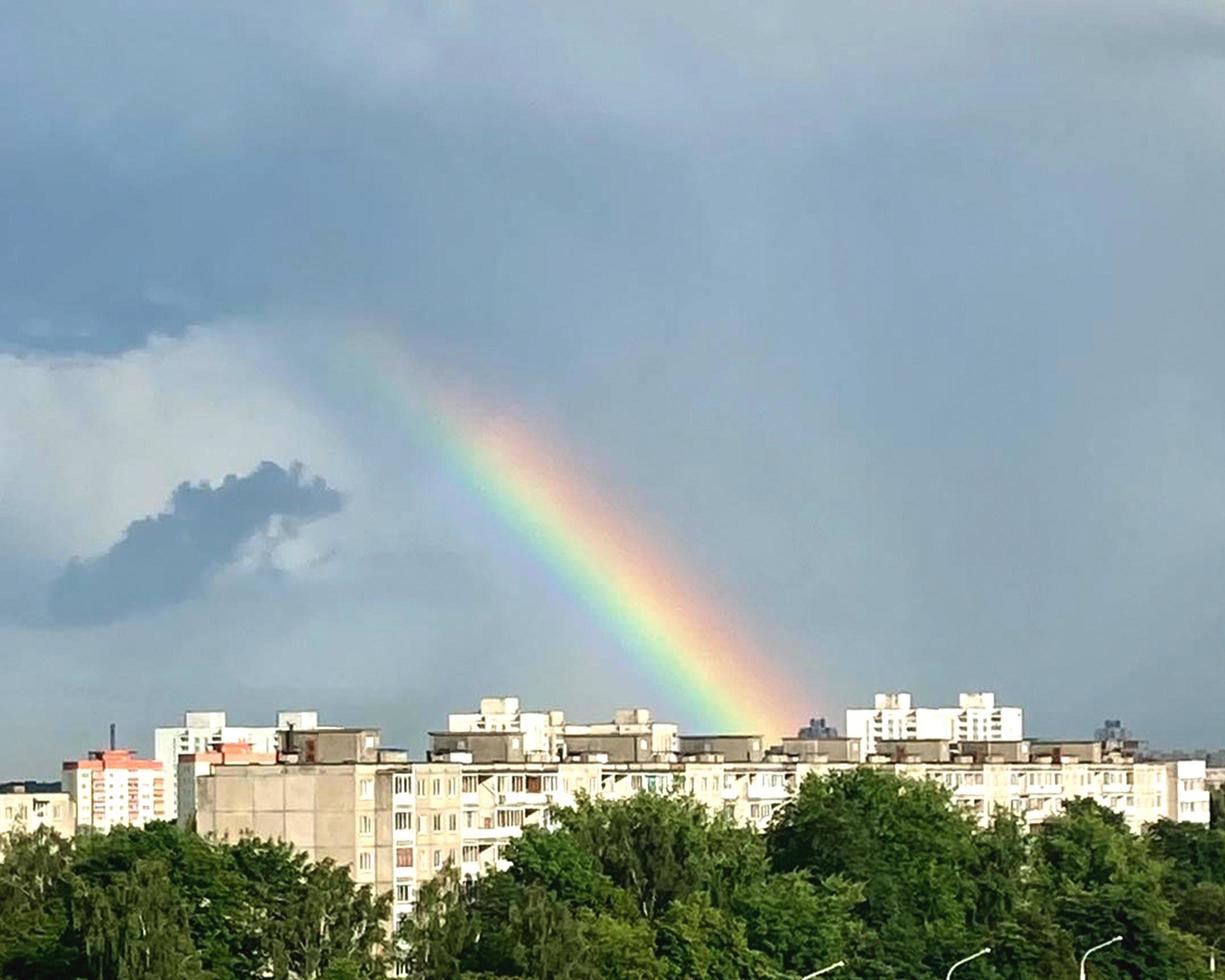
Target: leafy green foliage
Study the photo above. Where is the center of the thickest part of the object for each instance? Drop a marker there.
(880, 871)
(161, 902)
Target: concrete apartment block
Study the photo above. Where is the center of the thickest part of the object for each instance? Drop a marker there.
(396, 823)
(26, 808)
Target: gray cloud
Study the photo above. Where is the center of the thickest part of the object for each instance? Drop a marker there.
(898, 323)
(165, 559)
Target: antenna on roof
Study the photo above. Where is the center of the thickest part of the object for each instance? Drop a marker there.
(112, 736)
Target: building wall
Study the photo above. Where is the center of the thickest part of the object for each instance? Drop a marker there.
(27, 812)
(113, 788)
(201, 731)
(894, 717)
(395, 828)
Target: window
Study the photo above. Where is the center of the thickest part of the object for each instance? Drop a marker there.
(510, 818)
(404, 893)
(403, 785)
(365, 861)
(438, 787)
(453, 822)
(516, 784)
(365, 788)
(437, 821)
(404, 857)
(365, 824)
(437, 860)
(403, 820)
(471, 784)
(451, 785)
(420, 823)
(469, 819)
(472, 854)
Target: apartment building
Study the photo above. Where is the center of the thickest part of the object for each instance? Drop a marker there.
(26, 807)
(202, 731)
(394, 827)
(541, 736)
(192, 765)
(339, 794)
(112, 787)
(894, 717)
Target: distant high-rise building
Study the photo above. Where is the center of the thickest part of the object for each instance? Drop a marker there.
(816, 728)
(892, 718)
(112, 788)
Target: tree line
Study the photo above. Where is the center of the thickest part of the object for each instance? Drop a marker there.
(862, 866)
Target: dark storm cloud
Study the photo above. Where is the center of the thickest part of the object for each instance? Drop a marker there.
(899, 322)
(165, 559)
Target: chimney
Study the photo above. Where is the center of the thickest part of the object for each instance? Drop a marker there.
(112, 736)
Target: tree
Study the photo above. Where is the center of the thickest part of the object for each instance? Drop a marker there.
(798, 925)
(656, 848)
(1195, 853)
(913, 853)
(162, 902)
(1099, 880)
(698, 940)
(132, 925)
(1201, 912)
(34, 882)
(432, 939)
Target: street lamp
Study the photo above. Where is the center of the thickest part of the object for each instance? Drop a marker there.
(1094, 949)
(825, 969)
(973, 956)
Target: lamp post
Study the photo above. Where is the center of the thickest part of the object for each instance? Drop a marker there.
(824, 970)
(973, 956)
(1094, 949)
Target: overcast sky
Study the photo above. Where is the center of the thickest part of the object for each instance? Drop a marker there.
(902, 324)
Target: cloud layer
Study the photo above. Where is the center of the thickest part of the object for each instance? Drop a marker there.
(165, 559)
(898, 324)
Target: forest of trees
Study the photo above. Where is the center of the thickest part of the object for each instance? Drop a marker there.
(861, 866)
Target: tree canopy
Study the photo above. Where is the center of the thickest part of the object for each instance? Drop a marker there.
(164, 903)
(862, 866)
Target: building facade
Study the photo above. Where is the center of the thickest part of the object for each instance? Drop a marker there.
(202, 731)
(893, 717)
(113, 788)
(338, 794)
(393, 825)
(26, 808)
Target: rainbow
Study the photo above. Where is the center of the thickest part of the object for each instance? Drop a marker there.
(697, 655)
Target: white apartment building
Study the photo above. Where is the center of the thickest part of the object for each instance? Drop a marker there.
(24, 809)
(893, 717)
(205, 730)
(541, 736)
(113, 788)
(338, 794)
(397, 825)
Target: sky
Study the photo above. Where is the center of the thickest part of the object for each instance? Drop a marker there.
(897, 327)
